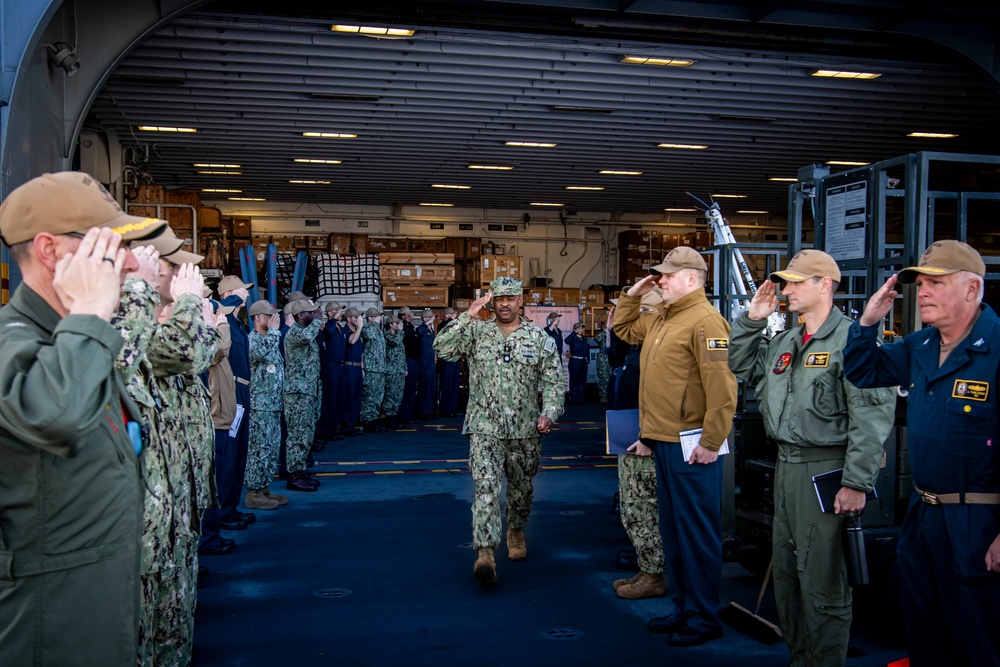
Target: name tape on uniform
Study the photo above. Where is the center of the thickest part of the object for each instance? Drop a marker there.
(818, 360)
(971, 390)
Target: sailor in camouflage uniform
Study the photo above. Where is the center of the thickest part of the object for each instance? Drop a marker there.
(395, 370)
(507, 360)
(373, 387)
(603, 365)
(267, 382)
(302, 390)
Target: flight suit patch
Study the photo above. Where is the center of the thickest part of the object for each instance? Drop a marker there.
(818, 360)
(717, 343)
(782, 363)
(971, 390)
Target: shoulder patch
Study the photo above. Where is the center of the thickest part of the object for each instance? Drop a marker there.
(717, 344)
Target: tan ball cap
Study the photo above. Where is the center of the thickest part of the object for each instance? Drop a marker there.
(261, 307)
(300, 306)
(808, 264)
(169, 247)
(230, 283)
(943, 258)
(68, 202)
(680, 258)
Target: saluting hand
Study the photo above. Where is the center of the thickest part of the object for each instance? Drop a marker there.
(187, 280)
(643, 286)
(764, 302)
(880, 303)
(479, 303)
(274, 321)
(148, 259)
(88, 281)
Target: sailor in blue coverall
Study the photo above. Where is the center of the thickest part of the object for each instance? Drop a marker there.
(579, 362)
(949, 544)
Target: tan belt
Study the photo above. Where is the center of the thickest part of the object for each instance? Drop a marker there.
(243, 381)
(959, 498)
(352, 363)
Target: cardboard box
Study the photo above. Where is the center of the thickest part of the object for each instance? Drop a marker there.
(416, 258)
(416, 274)
(419, 296)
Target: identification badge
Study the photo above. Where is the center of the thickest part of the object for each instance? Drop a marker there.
(818, 360)
(781, 365)
(717, 343)
(971, 390)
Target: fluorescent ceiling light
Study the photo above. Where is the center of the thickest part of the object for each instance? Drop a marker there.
(529, 144)
(306, 160)
(690, 147)
(681, 210)
(670, 62)
(571, 109)
(427, 204)
(221, 173)
(372, 30)
(840, 74)
(158, 128)
(751, 212)
(247, 199)
(212, 165)
(717, 196)
(491, 167)
(614, 172)
(545, 203)
(330, 135)
(782, 179)
(447, 186)
(932, 135)
(221, 190)
(302, 182)
(848, 163)
(583, 187)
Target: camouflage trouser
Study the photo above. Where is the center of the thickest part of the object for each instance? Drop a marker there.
(372, 394)
(262, 456)
(639, 510)
(166, 622)
(489, 460)
(394, 383)
(301, 413)
(603, 375)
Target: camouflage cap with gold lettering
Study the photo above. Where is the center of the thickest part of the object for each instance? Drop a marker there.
(943, 258)
(68, 202)
(505, 286)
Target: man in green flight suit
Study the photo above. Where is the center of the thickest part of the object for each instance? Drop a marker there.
(821, 422)
(507, 359)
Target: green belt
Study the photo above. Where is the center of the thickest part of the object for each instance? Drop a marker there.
(800, 454)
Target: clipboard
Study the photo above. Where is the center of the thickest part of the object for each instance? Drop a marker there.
(828, 485)
(692, 438)
(621, 430)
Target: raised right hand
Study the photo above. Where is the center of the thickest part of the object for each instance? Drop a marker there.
(478, 304)
(88, 281)
(643, 286)
(187, 280)
(880, 304)
(148, 259)
(764, 302)
(274, 321)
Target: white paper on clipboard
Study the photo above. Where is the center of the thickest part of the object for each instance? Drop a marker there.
(691, 439)
(234, 429)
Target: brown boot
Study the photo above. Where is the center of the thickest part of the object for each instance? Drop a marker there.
(645, 586)
(485, 569)
(631, 580)
(281, 500)
(256, 500)
(516, 549)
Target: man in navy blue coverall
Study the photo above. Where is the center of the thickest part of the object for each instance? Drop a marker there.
(949, 545)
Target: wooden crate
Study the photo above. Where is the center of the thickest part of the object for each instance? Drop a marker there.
(209, 218)
(419, 296)
(151, 194)
(592, 297)
(491, 267)
(416, 274)
(380, 244)
(455, 245)
(429, 245)
(319, 243)
(359, 244)
(416, 258)
(339, 244)
(594, 319)
(241, 227)
(554, 296)
(461, 304)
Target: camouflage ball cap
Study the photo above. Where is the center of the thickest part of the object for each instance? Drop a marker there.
(505, 286)
(68, 202)
(808, 264)
(943, 258)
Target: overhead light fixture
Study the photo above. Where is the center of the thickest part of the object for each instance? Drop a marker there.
(841, 74)
(491, 167)
(339, 97)
(932, 135)
(223, 190)
(544, 203)
(429, 204)
(663, 62)
(571, 109)
(377, 31)
(847, 163)
(220, 173)
(159, 128)
(306, 160)
(690, 147)
(615, 172)
(302, 182)
(529, 144)
(583, 187)
(782, 179)
(752, 212)
(681, 210)
(330, 135)
(247, 199)
(736, 118)
(212, 165)
(447, 186)
(718, 196)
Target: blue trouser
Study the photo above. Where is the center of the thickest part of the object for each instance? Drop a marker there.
(950, 601)
(225, 463)
(409, 404)
(351, 385)
(577, 378)
(426, 389)
(451, 372)
(229, 495)
(690, 500)
(329, 412)
(613, 386)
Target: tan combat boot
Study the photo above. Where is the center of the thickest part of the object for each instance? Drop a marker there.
(645, 586)
(485, 569)
(256, 500)
(631, 580)
(281, 500)
(516, 549)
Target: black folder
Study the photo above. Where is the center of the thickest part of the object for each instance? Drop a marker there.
(828, 485)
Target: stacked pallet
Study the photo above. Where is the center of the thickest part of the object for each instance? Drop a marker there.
(416, 279)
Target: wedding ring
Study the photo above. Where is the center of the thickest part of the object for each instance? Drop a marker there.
(109, 259)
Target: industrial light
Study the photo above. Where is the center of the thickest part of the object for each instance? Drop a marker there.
(681, 210)
(304, 160)
(330, 135)
(247, 199)
(372, 30)
(544, 203)
(752, 212)
(847, 163)
(428, 204)
(301, 182)
(571, 109)
(490, 167)
(583, 187)
(221, 190)
(614, 172)
(729, 196)
(932, 135)
(840, 74)
(782, 179)
(447, 186)
(212, 165)
(529, 144)
(158, 128)
(690, 147)
(221, 173)
(668, 62)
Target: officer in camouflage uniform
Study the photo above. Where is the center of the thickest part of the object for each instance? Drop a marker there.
(395, 370)
(507, 359)
(302, 390)
(373, 388)
(267, 382)
(603, 365)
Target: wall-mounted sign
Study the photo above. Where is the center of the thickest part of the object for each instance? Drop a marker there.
(437, 225)
(494, 228)
(362, 223)
(465, 227)
(635, 226)
(510, 228)
(312, 223)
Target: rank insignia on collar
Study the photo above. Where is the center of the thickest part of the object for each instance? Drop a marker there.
(979, 342)
(781, 365)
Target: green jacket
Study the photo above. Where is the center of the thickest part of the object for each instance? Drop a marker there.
(70, 494)
(806, 401)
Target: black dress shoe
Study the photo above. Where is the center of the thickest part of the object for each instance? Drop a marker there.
(667, 624)
(248, 517)
(336, 437)
(299, 482)
(688, 636)
(217, 548)
(234, 523)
